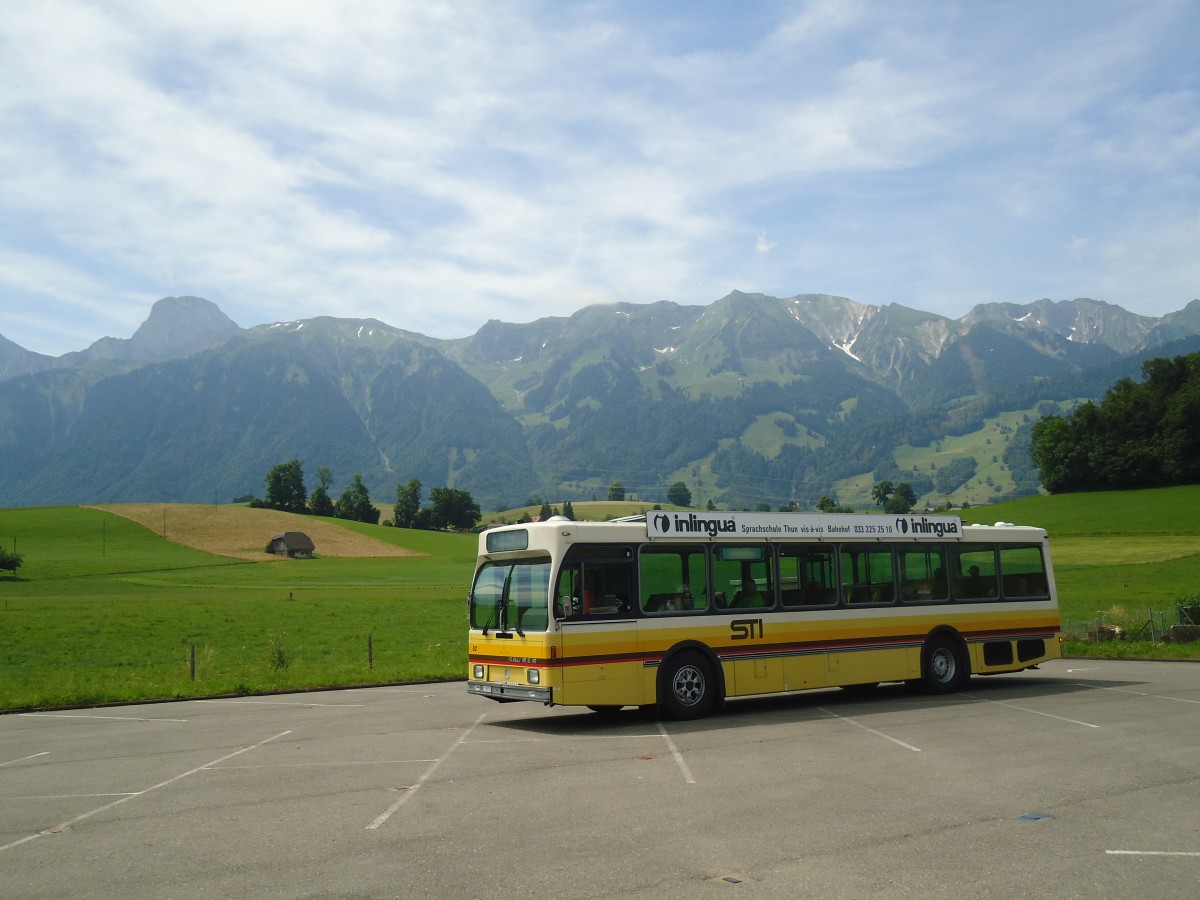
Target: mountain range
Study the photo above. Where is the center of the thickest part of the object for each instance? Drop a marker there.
(748, 400)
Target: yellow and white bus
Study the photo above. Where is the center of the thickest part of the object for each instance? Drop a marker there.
(683, 610)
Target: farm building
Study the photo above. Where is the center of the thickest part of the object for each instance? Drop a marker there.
(293, 544)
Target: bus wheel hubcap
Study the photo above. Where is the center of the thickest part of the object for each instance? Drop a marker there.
(689, 685)
(942, 665)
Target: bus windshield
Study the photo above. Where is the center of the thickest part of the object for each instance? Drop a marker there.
(511, 595)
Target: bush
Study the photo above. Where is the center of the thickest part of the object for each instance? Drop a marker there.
(10, 561)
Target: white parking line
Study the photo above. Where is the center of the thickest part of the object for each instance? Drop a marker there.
(338, 764)
(886, 737)
(679, 761)
(128, 797)
(387, 813)
(274, 702)
(23, 758)
(83, 716)
(1152, 852)
(70, 796)
(1139, 693)
(1036, 712)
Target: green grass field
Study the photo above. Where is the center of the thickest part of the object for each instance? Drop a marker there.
(105, 610)
(1118, 556)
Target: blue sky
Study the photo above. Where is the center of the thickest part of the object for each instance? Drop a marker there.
(436, 165)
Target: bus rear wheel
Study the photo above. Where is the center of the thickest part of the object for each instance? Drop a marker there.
(942, 668)
(689, 687)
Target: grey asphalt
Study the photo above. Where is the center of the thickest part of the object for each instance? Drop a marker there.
(1077, 780)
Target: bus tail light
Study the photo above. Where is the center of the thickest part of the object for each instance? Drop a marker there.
(535, 676)
(477, 672)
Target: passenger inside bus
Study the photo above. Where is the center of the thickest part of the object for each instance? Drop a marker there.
(749, 595)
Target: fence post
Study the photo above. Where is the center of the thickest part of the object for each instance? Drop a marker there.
(370, 653)
(192, 662)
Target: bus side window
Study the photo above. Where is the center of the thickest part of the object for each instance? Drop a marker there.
(974, 570)
(1023, 571)
(672, 579)
(743, 577)
(595, 580)
(568, 593)
(867, 574)
(807, 576)
(922, 572)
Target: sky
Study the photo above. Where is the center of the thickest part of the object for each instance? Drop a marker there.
(436, 165)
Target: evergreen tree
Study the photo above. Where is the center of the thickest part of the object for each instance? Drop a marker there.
(679, 494)
(319, 502)
(355, 503)
(616, 491)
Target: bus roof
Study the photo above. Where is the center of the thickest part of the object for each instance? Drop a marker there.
(679, 525)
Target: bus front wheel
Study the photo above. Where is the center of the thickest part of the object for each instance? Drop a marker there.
(689, 687)
(942, 669)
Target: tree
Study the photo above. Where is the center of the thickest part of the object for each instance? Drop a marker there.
(679, 494)
(408, 504)
(10, 562)
(616, 491)
(827, 504)
(285, 487)
(355, 503)
(881, 492)
(569, 510)
(545, 512)
(319, 501)
(451, 508)
(902, 501)
(1139, 435)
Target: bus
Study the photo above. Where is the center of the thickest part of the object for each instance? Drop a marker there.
(683, 610)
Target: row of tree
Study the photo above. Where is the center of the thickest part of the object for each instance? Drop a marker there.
(285, 490)
(1141, 434)
(677, 494)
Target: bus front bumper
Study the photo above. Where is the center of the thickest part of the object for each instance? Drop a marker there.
(505, 691)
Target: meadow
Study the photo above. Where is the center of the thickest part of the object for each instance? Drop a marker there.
(105, 609)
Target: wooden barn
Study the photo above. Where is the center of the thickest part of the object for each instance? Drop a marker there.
(293, 544)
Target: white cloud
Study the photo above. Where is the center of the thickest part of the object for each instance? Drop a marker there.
(438, 164)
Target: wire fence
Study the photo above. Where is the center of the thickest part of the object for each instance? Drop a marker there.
(1179, 625)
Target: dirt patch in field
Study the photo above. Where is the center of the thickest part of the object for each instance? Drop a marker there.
(244, 533)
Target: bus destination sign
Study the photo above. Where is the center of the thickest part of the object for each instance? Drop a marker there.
(745, 526)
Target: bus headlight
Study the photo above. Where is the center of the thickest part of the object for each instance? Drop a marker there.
(535, 676)
(477, 672)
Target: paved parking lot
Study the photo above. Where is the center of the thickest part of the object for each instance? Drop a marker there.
(1078, 780)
